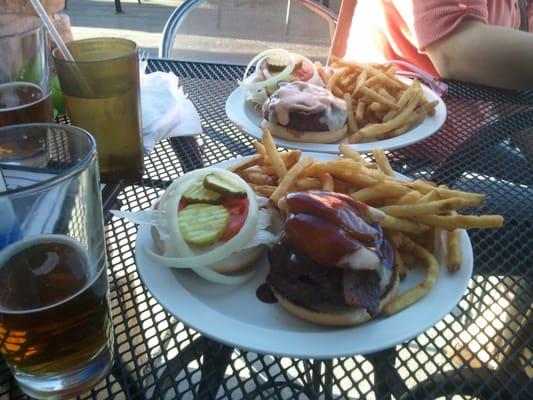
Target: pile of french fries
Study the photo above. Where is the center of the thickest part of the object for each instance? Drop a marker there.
(380, 106)
(415, 214)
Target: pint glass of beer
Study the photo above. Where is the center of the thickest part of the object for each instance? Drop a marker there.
(102, 95)
(56, 334)
(25, 91)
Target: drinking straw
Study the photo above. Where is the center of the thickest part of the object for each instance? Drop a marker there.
(50, 27)
(56, 37)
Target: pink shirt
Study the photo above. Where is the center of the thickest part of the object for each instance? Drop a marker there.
(403, 29)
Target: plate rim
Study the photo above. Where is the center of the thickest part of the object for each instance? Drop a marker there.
(256, 342)
(238, 116)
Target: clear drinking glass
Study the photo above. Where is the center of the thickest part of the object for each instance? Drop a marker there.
(102, 95)
(25, 92)
(56, 333)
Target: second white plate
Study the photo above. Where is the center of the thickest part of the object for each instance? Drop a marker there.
(248, 118)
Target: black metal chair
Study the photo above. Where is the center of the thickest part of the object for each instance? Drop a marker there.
(180, 14)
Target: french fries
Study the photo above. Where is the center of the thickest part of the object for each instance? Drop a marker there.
(415, 215)
(380, 105)
(275, 158)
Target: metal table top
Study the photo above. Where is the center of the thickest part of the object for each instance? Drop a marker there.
(483, 348)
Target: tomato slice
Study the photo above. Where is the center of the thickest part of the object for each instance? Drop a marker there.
(304, 73)
(238, 210)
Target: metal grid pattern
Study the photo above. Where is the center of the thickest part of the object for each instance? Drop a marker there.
(483, 348)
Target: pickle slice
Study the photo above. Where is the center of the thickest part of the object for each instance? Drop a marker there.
(223, 186)
(198, 193)
(203, 224)
(278, 62)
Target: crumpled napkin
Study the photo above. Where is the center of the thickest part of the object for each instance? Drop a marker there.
(166, 110)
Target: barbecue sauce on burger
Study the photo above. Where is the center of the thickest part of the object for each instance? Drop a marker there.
(331, 255)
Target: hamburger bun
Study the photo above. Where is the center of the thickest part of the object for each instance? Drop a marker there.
(303, 112)
(304, 136)
(339, 317)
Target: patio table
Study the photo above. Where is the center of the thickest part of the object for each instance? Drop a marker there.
(482, 348)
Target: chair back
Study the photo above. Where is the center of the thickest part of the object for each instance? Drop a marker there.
(233, 31)
(339, 43)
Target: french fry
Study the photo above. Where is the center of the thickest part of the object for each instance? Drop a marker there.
(352, 124)
(429, 196)
(260, 148)
(359, 82)
(273, 155)
(451, 222)
(374, 96)
(263, 190)
(402, 101)
(285, 184)
(345, 170)
(412, 295)
(381, 191)
(245, 162)
(383, 91)
(290, 158)
(402, 225)
(342, 186)
(398, 260)
(337, 75)
(383, 162)
(360, 113)
(409, 198)
(307, 183)
(453, 250)
(473, 199)
(376, 107)
(426, 208)
(349, 152)
(328, 185)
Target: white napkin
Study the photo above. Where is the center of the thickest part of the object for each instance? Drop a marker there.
(166, 110)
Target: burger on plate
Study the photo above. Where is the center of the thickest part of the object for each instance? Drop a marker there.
(273, 67)
(303, 112)
(211, 221)
(332, 266)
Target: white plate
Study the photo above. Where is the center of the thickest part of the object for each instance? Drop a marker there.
(248, 118)
(234, 316)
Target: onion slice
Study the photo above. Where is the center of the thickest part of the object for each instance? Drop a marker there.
(216, 277)
(248, 82)
(187, 257)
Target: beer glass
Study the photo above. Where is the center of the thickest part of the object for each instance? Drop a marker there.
(101, 90)
(56, 333)
(25, 92)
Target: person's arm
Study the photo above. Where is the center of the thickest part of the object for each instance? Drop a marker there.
(485, 54)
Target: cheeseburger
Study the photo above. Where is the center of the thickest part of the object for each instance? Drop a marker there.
(332, 266)
(305, 112)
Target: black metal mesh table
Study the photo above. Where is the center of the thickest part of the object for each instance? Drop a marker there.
(483, 348)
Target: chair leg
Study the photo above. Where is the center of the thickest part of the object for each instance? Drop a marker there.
(387, 380)
(118, 6)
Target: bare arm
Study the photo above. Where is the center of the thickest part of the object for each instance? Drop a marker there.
(485, 54)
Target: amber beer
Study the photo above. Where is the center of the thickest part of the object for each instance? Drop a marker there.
(24, 102)
(54, 314)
